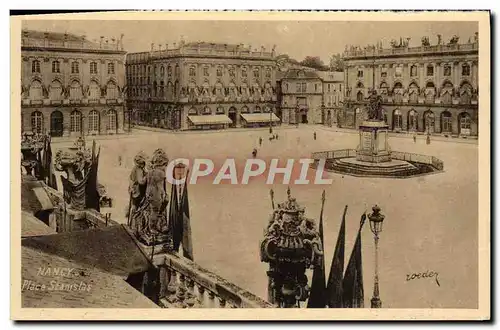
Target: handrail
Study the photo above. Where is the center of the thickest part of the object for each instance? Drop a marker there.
(191, 275)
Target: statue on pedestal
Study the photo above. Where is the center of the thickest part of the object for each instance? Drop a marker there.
(375, 107)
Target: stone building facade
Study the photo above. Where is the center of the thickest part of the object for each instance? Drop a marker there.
(202, 85)
(310, 97)
(333, 96)
(430, 88)
(71, 86)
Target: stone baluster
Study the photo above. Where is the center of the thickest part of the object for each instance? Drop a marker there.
(181, 293)
(164, 281)
(201, 296)
(172, 284)
(190, 295)
(211, 300)
(222, 303)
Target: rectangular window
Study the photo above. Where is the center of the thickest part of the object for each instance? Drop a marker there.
(328, 88)
(205, 71)
(360, 73)
(430, 71)
(93, 68)
(111, 68)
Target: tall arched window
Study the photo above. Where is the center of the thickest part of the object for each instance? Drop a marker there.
(112, 120)
(397, 120)
(429, 121)
(176, 89)
(111, 90)
(465, 123)
(177, 71)
(162, 71)
(37, 122)
(56, 67)
(35, 66)
(383, 88)
(94, 122)
(207, 111)
(430, 92)
(446, 122)
(36, 91)
(465, 93)
(75, 67)
(75, 91)
(360, 96)
(56, 91)
(75, 121)
(398, 92)
(162, 88)
(413, 93)
(412, 120)
(169, 72)
(94, 91)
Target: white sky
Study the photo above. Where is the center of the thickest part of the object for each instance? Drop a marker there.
(296, 38)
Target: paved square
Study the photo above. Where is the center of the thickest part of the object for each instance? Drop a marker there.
(430, 224)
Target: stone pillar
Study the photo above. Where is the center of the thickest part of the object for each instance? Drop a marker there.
(238, 117)
(66, 123)
(120, 120)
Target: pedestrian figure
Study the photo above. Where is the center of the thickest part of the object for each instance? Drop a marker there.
(414, 138)
(314, 136)
(254, 153)
(277, 136)
(120, 160)
(260, 141)
(428, 139)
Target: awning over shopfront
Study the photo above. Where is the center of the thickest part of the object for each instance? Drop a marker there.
(210, 120)
(259, 117)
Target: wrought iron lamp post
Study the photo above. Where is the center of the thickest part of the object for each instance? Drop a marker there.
(271, 110)
(376, 221)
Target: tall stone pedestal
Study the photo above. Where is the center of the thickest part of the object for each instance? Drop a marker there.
(373, 142)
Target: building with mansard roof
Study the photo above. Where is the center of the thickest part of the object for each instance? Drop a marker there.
(429, 89)
(71, 85)
(201, 85)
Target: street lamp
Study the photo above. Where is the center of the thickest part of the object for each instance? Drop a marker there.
(270, 120)
(376, 221)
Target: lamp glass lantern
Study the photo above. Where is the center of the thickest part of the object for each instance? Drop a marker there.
(376, 220)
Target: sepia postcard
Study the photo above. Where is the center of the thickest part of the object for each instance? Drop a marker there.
(236, 165)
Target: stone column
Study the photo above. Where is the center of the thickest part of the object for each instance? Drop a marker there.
(66, 122)
(120, 121)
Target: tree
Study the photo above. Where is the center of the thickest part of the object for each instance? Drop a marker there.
(314, 62)
(337, 63)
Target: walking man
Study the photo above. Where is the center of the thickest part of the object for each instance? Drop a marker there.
(314, 136)
(260, 141)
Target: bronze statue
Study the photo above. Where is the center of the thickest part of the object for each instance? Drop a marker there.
(375, 106)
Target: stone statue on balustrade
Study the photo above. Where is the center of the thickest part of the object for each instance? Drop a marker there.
(375, 112)
(148, 215)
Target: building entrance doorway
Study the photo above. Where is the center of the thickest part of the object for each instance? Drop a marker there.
(303, 118)
(232, 115)
(56, 123)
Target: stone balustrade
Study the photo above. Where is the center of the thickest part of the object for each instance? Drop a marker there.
(419, 50)
(71, 44)
(184, 284)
